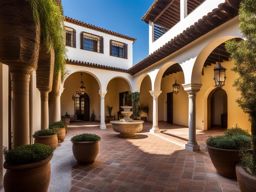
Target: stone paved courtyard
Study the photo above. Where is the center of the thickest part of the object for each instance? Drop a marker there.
(148, 163)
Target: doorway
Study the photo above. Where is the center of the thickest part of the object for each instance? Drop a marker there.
(170, 107)
(82, 107)
(217, 109)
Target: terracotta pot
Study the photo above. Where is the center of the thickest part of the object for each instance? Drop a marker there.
(85, 152)
(247, 182)
(224, 160)
(61, 134)
(28, 177)
(51, 140)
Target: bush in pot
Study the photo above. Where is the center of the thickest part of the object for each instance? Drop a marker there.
(244, 53)
(47, 137)
(85, 147)
(28, 168)
(60, 128)
(225, 150)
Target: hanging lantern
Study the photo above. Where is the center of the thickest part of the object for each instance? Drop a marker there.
(176, 87)
(219, 75)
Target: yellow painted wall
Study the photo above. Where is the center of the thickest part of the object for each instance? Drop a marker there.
(180, 100)
(71, 85)
(145, 97)
(115, 87)
(235, 113)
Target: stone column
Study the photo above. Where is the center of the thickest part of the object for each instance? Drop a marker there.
(155, 95)
(44, 109)
(20, 80)
(191, 89)
(102, 109)
(183, 9)
(56, 107)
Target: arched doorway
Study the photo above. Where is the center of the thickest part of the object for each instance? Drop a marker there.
(82, 107)
(81, 104)
(217, 109)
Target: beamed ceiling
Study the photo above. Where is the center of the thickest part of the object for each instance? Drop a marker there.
(167, 12)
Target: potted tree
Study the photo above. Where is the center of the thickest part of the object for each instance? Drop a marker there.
(109, 117)
(85, 147)
(225, 150)
(47, 137)
(244, 54)
(60, 128)
(28, 168)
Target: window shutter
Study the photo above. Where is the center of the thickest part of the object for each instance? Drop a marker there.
(74, 38)
(125, 51)
(110, 47)
(101, 45)
(81, 40)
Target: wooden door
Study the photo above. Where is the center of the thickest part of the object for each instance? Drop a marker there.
(170, 107)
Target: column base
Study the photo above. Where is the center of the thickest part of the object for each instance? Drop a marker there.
(154, 130)
(192, 147)
(103, 126)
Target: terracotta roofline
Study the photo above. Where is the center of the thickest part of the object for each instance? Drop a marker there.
(94, 65)
(90, 26)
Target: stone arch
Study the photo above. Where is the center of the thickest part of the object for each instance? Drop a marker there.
(160, 73)
(204, 54)
(139, 80)
(83, 71)
(121, 77)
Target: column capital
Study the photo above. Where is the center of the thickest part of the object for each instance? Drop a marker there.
(155, 93)
(102, 93)
(192, 88)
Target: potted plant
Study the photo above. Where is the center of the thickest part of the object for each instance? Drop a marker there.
(225, 150)
(85, 147)
(60, 128)
(28, 168)
(47, 137)
(66, 118)
(93, 116)
(244, 53)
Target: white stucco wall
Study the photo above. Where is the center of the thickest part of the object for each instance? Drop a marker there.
(99, 58)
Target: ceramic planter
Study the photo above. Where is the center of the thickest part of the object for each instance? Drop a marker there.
(224, 160)
(50, 140)
(28, 177)
(85, 152)
(247, 182)
(61, 134)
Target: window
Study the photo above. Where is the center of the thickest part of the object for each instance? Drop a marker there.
(118, 49)
(91, 42)
(70, 37)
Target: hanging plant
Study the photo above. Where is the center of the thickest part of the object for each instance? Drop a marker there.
(48, 14)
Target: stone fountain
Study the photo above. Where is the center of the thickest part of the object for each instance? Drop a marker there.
(127, 127)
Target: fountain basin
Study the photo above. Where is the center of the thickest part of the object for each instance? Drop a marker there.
(127, 129)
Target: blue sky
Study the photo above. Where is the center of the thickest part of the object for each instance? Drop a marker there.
(123, 16)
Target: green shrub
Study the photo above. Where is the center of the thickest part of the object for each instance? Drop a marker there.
(86, 137)
(236, 131)
(28, 154)
(56, 125)
(44, 132)
(230, 142)
(247, 163)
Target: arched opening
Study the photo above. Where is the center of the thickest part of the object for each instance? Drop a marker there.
(82, 104)
(173, 102)
(145, 99)
(217, 109)
(118, 94)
